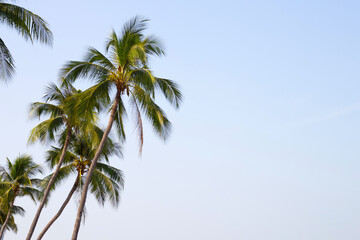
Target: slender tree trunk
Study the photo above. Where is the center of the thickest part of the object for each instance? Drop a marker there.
(47, 190)
(57, 215)
(3, 227)
(92, 167)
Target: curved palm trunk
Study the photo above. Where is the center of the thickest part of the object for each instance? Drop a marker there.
(47, 190)
(3, 227)
(57, 215)
(92, 167)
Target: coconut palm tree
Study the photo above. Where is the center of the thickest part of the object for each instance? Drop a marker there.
(123, 71)
(60, 123)
(18, 180)
(106, 181)
(29, 25)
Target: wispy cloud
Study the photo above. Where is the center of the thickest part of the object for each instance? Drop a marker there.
(317, 119)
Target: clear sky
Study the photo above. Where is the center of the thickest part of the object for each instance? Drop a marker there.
(265, 145)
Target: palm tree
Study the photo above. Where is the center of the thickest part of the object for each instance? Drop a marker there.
(126, 73)
(60, 123)
(29, 25)
(17, 181)
(106, 181)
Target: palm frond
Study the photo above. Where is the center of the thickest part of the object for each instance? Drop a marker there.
(153, 46)
(111, 172)
(4, 186)
(38, 109)
(138, 123)
(145, 79)
(63, 174)
(54, 93)
(11, 225)
(28, 24)
(7, 67)
(17, 210)
(171, 91)
(96, 97)
(46, 130)
(104, 188)
(110, 148)
(95, 56)
(119, 117)
(33, 193)
(52, 157)
(153, 112)
(82, 69)
(135, 25)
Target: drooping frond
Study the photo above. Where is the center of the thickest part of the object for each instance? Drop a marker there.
(119, 117)
(145, 79)
(138, 123)
(28, 24)
(153, 46)
(46, 130)
(153, 112)
(38, 109)
(11, 225)
(5, 198)
(18, 210)
(31, 192)
(112, 172)
(104, 188)
(171, 91)
(7, 67)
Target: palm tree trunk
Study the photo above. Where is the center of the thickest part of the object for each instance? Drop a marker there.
(3, 227)
(93, 165)
(57, 215)
(47, 190)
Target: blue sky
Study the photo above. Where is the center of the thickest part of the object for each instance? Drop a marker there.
(265, 145)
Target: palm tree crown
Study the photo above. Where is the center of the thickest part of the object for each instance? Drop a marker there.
(106, 181)
(60, 118)
(17, 181)
(125, 69)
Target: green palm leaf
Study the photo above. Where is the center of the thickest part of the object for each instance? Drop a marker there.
(46, 130)
(7, 67)
(171, 91)
(29, 25)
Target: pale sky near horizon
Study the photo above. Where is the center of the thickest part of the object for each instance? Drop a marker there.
(265, 145)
